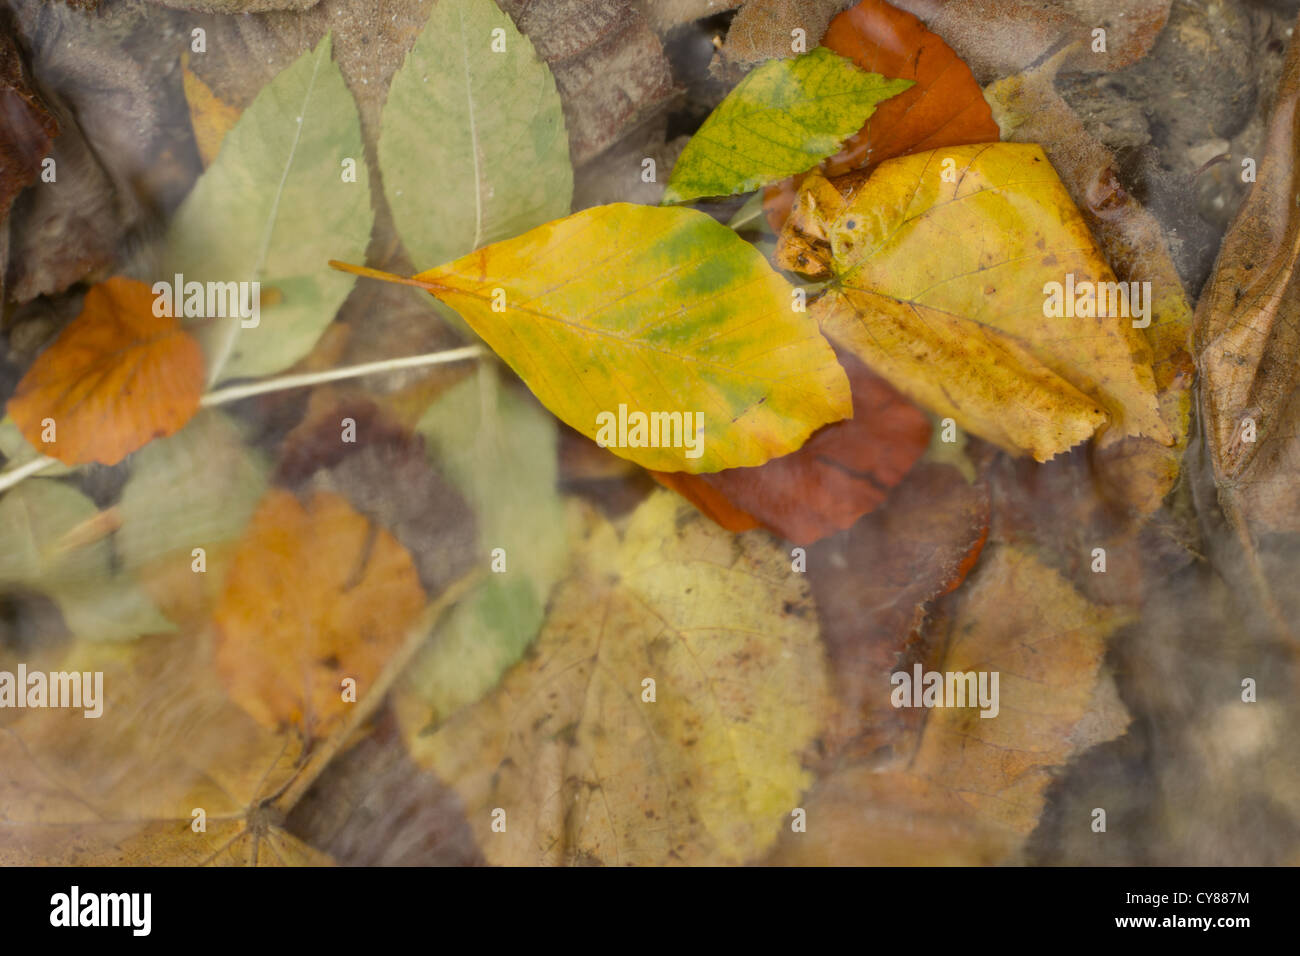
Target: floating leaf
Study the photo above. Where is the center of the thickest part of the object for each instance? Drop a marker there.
(18, 451)
(942, 287)
(315, 594)
(783, 118)
(488, 122)
(39, 551)
(841, 473)
(272, 208)
(499, 449)
(588, 771)
(117, 377)
(657, 310)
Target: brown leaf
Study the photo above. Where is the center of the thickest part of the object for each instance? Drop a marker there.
(841, 473)
(875, 584)
(1001, 37)
(1248, 337)
(965, 789)
(211, 117)
(762, 30)
(26, 126)
(315, 594)
(945, 108)
(116, 378)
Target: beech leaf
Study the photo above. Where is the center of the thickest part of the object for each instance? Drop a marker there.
(590, 771)
(345, 593)
(940, 284)
(117, 377)
(658, 310)
(782, 118)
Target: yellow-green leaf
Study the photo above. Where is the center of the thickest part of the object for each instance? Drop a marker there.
(940, 274)
(661, 311)
(781, 119)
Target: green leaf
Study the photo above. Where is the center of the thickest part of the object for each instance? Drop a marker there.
(473, 147)
(273, 208)
(194, 489)
(18, 452)
(97, 604)
(499, 449)
(781, 119)
(662, 311)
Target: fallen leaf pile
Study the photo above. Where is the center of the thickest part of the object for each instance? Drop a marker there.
(609, 533)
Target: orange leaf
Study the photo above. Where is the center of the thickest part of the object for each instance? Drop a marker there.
(842, 472)
(315, 595)
(946, 107)
(115, 379)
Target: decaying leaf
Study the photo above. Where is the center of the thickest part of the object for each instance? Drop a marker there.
(1002, 37)
(620, 311)
(940, 283)
(342, 595)
(27, 127)
(286, 159)
(1248, 337)
(718, 632)
(490, 122)
(842, 472)
(962, 788)
(765, 29)
(116, 378)
(784, 117)
(173, 772)
(876, 585)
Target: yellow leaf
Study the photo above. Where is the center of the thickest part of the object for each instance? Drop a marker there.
(940, 277)
(659, 310)
(211, 118)
(586, 768)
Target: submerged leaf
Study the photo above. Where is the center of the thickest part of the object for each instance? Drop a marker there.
(40, 551)
(499, 449)
(117, 377)
(343, 596)
(783, 118)
(487, 124)
(274, 205)
(594, 764)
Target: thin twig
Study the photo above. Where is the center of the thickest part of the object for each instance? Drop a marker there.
(235, 392)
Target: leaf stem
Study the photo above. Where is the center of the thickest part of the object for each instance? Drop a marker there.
(10, 478)
(235, 392)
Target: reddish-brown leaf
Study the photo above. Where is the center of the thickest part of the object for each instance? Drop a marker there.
(115, 379)
(842, 472)
(873, 585)
(945, 108)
